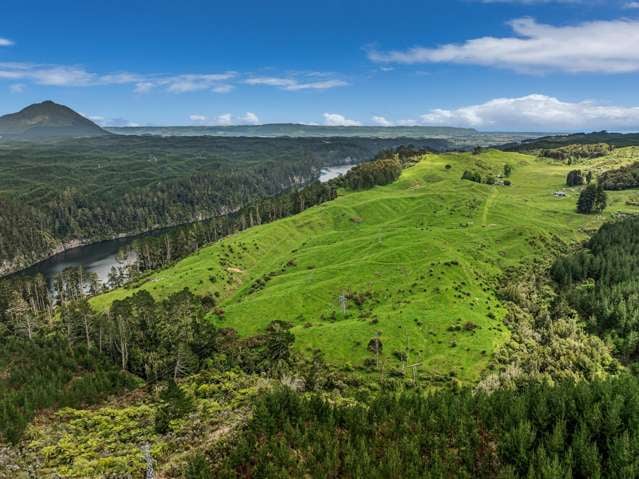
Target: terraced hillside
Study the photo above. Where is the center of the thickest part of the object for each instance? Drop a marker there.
(415, 264)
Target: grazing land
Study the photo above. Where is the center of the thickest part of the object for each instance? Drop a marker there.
(417, 263)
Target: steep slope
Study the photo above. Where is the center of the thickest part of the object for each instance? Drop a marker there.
(416, 263)
(47, 120)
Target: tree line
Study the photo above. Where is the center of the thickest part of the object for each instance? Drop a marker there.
(157, 251)
(577, 151)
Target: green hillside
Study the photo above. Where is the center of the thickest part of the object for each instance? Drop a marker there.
(418, 262)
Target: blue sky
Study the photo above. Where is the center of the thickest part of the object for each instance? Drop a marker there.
(490, 64)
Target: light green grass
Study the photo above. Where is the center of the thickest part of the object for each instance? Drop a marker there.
(430, 249)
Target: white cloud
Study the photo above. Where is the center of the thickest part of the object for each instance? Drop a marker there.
(223, 88)
(190, 83)
(250, 118)
(292, 84)
(143, 87)
(631, 5)
(533, 2)
(16, 88)
(600, 46)
(5, 42)
(74, 76)
(77, 76)
(116, 122)
(537, 112)
(380, 120)
(224, 120)
(335, 119)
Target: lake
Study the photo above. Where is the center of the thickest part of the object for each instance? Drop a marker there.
(100, 257)
(330, 172)
(96, 258)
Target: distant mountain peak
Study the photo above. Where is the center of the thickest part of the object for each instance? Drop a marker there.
(47, 120)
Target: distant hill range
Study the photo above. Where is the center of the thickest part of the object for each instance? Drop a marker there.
(463, 138)
(47, 120)
(297, 130)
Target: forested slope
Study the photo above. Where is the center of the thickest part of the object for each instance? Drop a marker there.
(68, 192)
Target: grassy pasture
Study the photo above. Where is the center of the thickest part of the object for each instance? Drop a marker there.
(418, 262)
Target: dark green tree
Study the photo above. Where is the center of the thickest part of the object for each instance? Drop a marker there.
(575, 178)
(592, 199)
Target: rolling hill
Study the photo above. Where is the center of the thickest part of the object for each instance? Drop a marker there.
(47, 120)
(415, 264)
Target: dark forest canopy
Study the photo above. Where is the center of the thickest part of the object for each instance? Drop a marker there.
(99, 188)
(616, 140)
(600, 282)
(572, 430)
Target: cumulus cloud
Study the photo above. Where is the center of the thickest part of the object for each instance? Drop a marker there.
(292, 84)
(381, 121)
(631, 5)
(250, 118)
(225, 119)
(537, 112)
(335, 119)
(5, 42)
(600, 46)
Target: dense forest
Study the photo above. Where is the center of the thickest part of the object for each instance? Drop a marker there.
(91, 189)
(571, 430)
(616, 140)
(600, 282)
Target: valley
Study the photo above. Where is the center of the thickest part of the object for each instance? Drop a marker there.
(415, 276)
(319, 240)
(62, 193)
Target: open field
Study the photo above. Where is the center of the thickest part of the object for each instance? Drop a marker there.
(421, 256)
